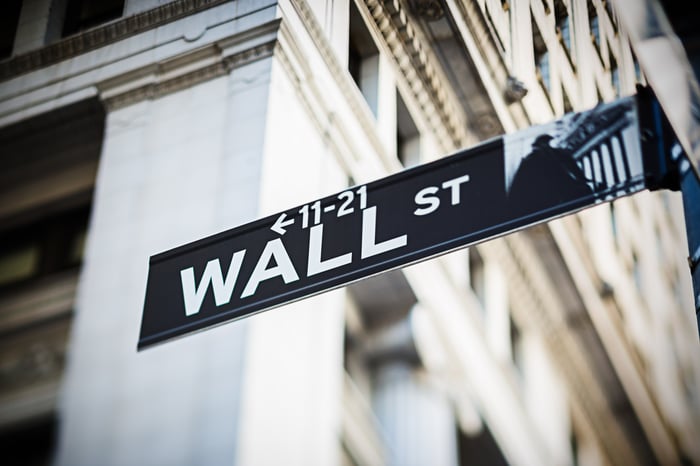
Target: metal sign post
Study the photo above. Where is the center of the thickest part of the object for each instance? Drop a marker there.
(674, 171)
(498, 187)
(690, 189)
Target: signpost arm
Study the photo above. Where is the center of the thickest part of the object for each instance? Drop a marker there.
(690, 189)
(671, 169)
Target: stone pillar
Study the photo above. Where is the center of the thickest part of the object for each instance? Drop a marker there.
(292, 386)
(173, 169)
(415, 414)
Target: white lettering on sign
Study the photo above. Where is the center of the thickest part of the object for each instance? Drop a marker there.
(315, 264)
(426, 196)
(369, 245)
(284, 268)
(274, 261)
(453, 184)
(280, 223)
(212, 273)
(429, 201)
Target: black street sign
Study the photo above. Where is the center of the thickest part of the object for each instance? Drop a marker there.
(500, 186)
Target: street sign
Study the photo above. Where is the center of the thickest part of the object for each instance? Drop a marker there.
(500, 186)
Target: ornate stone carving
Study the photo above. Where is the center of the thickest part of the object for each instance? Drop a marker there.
(102, 35)
(418, 65)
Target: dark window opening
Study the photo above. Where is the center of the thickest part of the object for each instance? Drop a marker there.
(48, 245)
(567, 102)
(599, 96)
(363, 58)
(45, 233)
(637, 272)
(613, 222)
(9, 20)
(407, 136)
(541, 60)
(545, 6)
(594, 26)
(611, 14)
(477, 278)
(638, 76)
(479, 449)
(84, 14)
(608, 6)
(574, 444)
(516, 345)
(615, 75)
(541, 54)
(32, 443)
(564, 29)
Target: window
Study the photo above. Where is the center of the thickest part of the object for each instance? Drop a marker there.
(594, 26)
(564, 28)
(84, 14)
(516, 344)
(46, 246)
(545, 6)
(574, 444)
(637, 272)
(32, 442)
(477, 279)
(615, 75)
(479, 448)
(541, 55)
(638, 77)
(363, 59)
(542, 63)
(407, 136)
(567, 102)
(8, 26)
(609, 8)
(19, 263)
(613, 222)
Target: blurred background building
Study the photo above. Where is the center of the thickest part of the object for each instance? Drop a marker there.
(128, 127)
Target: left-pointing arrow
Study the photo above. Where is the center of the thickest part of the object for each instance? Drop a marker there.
(280, 223)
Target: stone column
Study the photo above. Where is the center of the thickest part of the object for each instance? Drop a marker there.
(173, 169)
(415, 414)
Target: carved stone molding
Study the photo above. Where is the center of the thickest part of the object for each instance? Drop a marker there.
(102, 35)
(158, 85)
(512, 114)
(416, 62)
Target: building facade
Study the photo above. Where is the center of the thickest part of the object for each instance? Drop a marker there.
(129, 127)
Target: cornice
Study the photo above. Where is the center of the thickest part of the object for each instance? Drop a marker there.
(415, 62)
(102, 35)
(420, 68)
(157, 81)
(494, 70)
